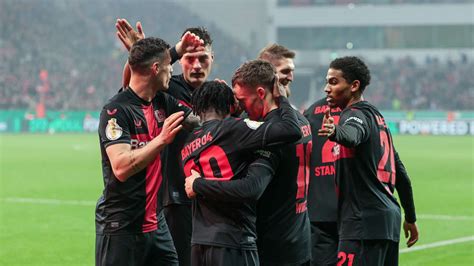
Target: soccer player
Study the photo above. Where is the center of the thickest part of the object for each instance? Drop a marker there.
(282, 59)
(284, 202)
(135, 125)
(196, 65)
(322, 198)
(368, 170)
(224, 232)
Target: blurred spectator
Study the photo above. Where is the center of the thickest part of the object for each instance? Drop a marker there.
(66, 55)
(403, 84)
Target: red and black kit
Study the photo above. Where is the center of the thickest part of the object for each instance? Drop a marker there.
(222, 150)
(283, 229)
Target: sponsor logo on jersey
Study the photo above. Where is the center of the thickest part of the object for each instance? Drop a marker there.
(264, 153)
(111, 112)
(252, 124)
(160, 115)
(358, 120)
(136, 144)
(113, 131)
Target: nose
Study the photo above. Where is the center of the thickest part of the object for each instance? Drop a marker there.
(290, 76)
(197, 64)
(327, 89)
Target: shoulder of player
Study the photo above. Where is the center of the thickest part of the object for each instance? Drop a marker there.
(316, 109)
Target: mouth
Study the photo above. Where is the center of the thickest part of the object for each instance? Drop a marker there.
(197, 75)
(285, 82)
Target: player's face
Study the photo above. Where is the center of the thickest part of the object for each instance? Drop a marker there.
(285, 68)
(250, 102)
(337, 88)
(196, 66)
(165, 70)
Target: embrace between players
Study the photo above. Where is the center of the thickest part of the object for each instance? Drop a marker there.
(253, 189)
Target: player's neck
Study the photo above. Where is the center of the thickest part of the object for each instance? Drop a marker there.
(143, 87)
(354, 100)
(212, 115)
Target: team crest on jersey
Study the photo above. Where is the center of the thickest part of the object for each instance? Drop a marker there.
(113, 131)
(160, 115)
(252, 124)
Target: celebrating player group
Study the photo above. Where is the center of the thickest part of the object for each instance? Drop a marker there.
(197, 172)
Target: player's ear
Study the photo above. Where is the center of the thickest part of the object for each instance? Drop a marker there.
(261, 92)
(155, 67)
(355, 86)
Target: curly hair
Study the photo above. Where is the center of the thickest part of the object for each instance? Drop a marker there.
(213, 95)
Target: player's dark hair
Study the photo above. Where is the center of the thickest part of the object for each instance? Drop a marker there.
(352, 68)
(146, 51)
(275, 51)
(255, 73)
(213, 95)
(201, 32)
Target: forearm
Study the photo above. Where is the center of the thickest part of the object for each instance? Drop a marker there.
(249, 188)
(128, 162)
(405, 191)
(347, 135)
(286, 130)
(175, 55)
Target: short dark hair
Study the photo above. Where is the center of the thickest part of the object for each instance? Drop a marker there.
(202, 33)
(213, 95)
(352, 68)
(144, 52)
(275, 52)
(255, 73)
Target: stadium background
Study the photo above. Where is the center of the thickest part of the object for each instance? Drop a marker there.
(60, 61)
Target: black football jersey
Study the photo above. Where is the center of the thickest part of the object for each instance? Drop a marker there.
(283, 229)
(222, 150)
(131, 206)
(173, 176)
(365, 175)
(322, 198)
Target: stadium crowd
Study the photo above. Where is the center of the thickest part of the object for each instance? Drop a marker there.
(67, 57)
(364, 2)
(404, 84)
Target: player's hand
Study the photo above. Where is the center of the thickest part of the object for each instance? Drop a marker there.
(188, 184)
(190, 42)
(221, 81)
(171, 127)
(411, 232)
(328, 127)
(236, 109)
(278, 89)
(127, 35)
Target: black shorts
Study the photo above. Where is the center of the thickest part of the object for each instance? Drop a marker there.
(203, 255)
(367, 253)
(152, 248)
(179, 220)
(324, 241)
